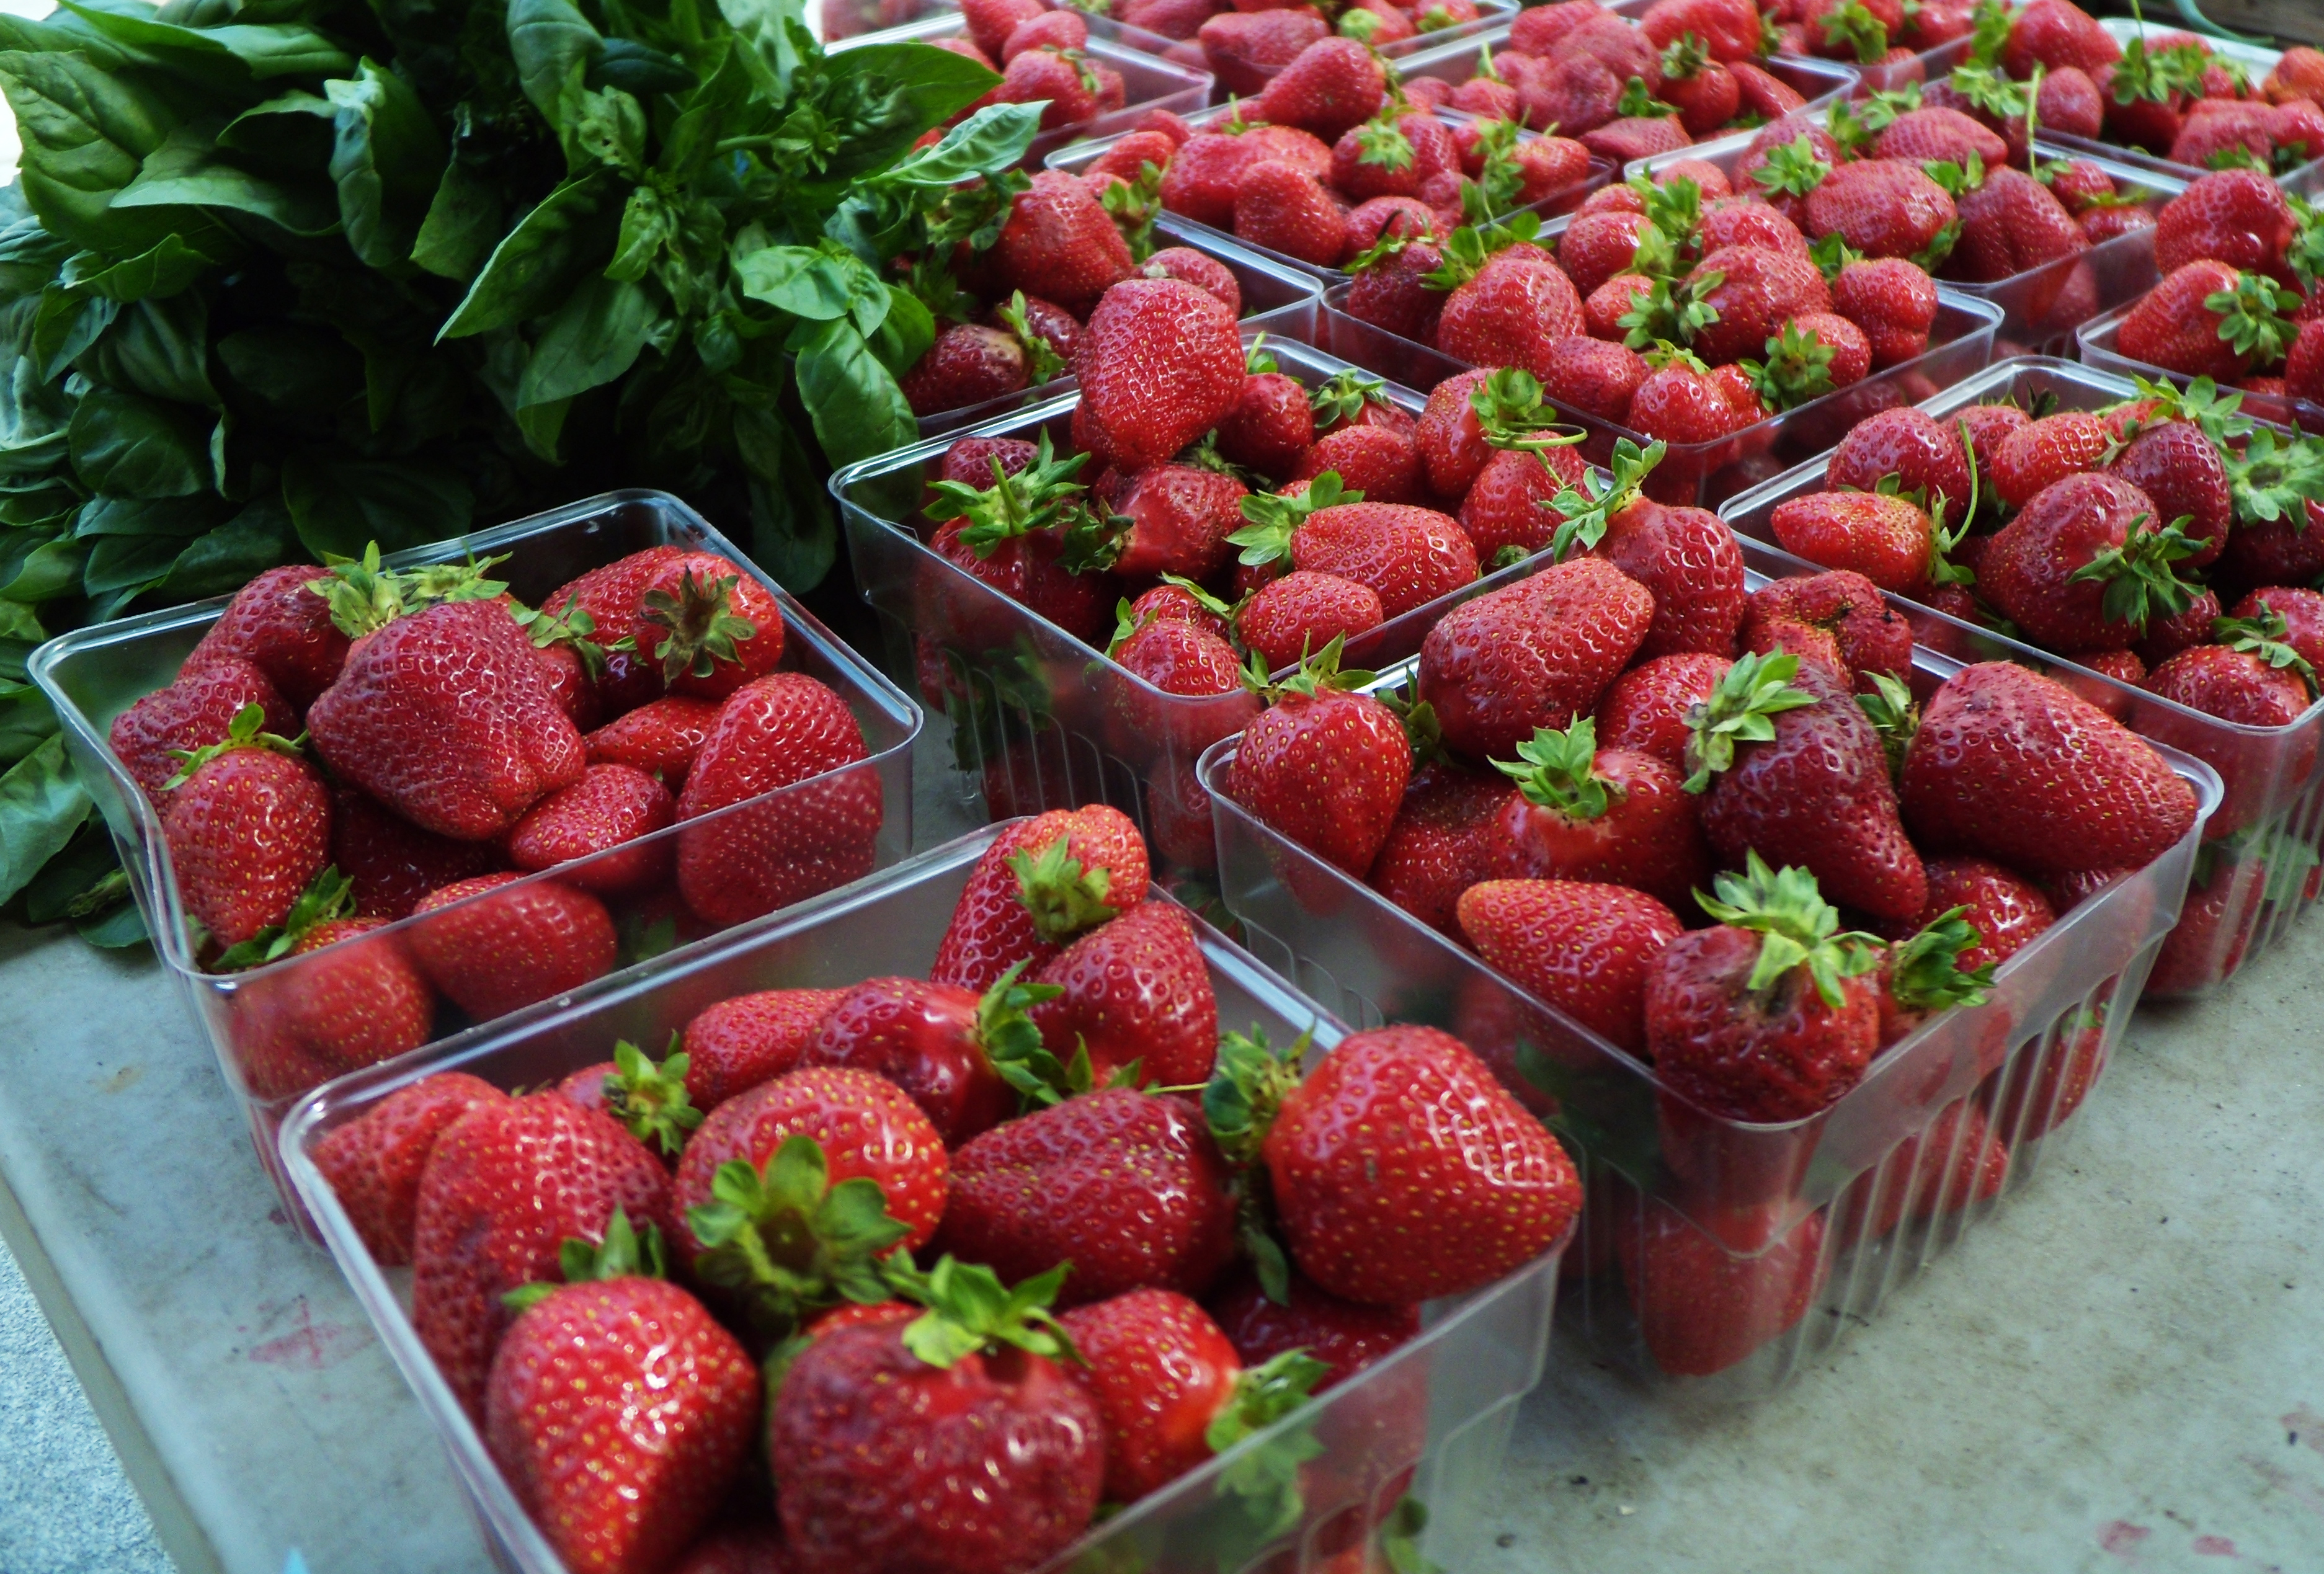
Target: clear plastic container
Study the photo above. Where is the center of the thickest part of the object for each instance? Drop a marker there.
(1960, 342)
(1282, 298)
(1239, 81)
(1927, 65)
(1082, 155)
(1040, 719)
(1475, 1357)
(2258, 871)
(1769, 1241)
(2042, 307)
(2097, 341)
(92, 675)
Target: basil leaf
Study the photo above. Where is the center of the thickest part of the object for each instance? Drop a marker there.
(158, 347)
(251, 52)
(997, 137)
(638, 68)
(904, 334)
(65, 326)
(234, 554)
(852, 399)
(26, 719)
(116, 927)
(648, 224)
(341, 505)
(164, 269)
(553, 44)
(462, 226)
(50, 570)
(71, 874)
(41, 805)
(805, 281)
(86, 134)
(386, 162)
(134, 446)
(188, 169)
(594, 337)
(149, 516)
(905, 89)
(128, 563)
(533, 269)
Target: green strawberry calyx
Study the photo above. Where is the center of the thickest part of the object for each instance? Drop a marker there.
(1134, 205)
(2219, 415)
(649, 1096)
(1340, 398)
(1249, 1082)
(364, 597)
(1044, 493)
(1583, 511)
(2265, 637)
(1833, 254)
(2305, 254)
(1275, 518)
(1467, 250)
(1740, 710)
(1854, 125)
(1989, 33)
(699, 625)
(573, 627)
(1798, 368)
(246, 730)
(1320, 673)
(625, 1253)
(1064, 898)
(1686, 57)
(1258, 360)
(1669, 312)
(1356, 23)
(1637, 104)
(1558, 772)
(787, 1240)
(2253, 318)
(1381, 143)
(970, 1310)
(1895, 715)
(1924, 971)
(1958, 180)
(1013, 1045)
(1264, 1395)
(328, 897)
(2156, 75)
(1851, 23)
(1673, 207)
(1992, 90)
(1422, 730)
(1796, 926)
(2140, 582)
(1042, 361)
(2276, 478)
(1500, 177)
(1931, 257)
(1511, 413)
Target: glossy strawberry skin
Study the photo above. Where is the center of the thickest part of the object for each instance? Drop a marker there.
(660, 738)
(1775, 1055)
(1135, 989)
(515, 944)
(2171, 327)
(609, 805)
(1333, 85)
(1582, 947)
(1328, 772)
(507, 1184)
(374, 1161)
(1687, 559)
(393, 863)
(1294, 617)
(1346, 1336)
(282, 627)
(1869, 636)
(1880, 208)
(620, 1411)
(246, 832)
(1507, 511)
(1127, 1186)
(1760, 289)
(1509, 315)
(1160, 363)
(1645, 711)
(2233, 684)
(1648, 838)
(2028, 570)
(2008, 911)
(2302, 611)
(1535, 654)
(1271, 424)
(194, 710)
(1924, 455)
(992, 930)
(1286, 209)
(1159, 1369)
(1442, 841)
(1407, 555)
(1885, 539)
(362, 1001)
(1059, 239)
(744, 1040)
(2236, 216)
(1185, 662)
(922, 1037)
(1701, 1308)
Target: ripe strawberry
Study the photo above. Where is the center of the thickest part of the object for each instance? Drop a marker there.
(1316, 733)
(2054, 33)
(968, 364)
(1702, 1307)
(1704, 91)
(2236, 216)
(1508, 514)
(1177, 601)
(1758, 289)
(2085, 564)
(993, 23)
(360, 1002)
(1126, 1187)
(1160, 363)
(2254, 680)
(2013, 224)
(1919, 136)
(1060, 30)
(1596, 247)
(609, 805)
(1335, 84)
(1582, 812)
(391, 863)
(1180, 659)
(1955, 1162)
(1384, 217)
(1535, 654)
(282, 627)
(944, 1046)
(1178, 519)
(1975, 780)
(511, 947)
(1440, 842)
(659, 738)
(1688, 559)
(1408, 556)
(1287, 210)
(1645, 712)
(1885, 538)
(1038, 884)
(1534, 31)
(505, 1185)
(1135, 990)
(197, 708)
(2179, 469)
(1381, 462)
(247, 823)
(2302, 611)
(1582, 948)
(374, 1161)
(1509, 314)
(1880, 208)
(1199, 182)
(618, 1409)
(2173, 327)
(1389, 292)
(957, 1430)
(1343, 1336)
(1680, 403)
(2046, 451)
(1893, 301)
(781, 730)
(1924, 456)
(1593, 375)
(1270, 425)
(1290, 619)
(738, 1043)
(1060, 244)
(1871, 637)
(2006, 910)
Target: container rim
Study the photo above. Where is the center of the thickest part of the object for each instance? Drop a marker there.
(1107, 38)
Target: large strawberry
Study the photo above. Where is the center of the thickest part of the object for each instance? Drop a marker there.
(1888, 539)
(2236, 216)
(506, 1185)
(1645, 711)
(1981, 776)
(197, 708)
(708, 625)
(1121, 1189)
(1880, 208)
(2182, 324)
(744, 1040)
(247, 821)
(374, 1163)
(281, 626)
(1058, 239)
(1160, 363)
(1582, 812)
(1870, 637)
(2012, 223)
(618, 1408)
(1406, 555)
(2087, 564)
(1324, 766)
(1924, 456)
(1335, 84)
(1039, 883)
(1581, 947)
(1754, 290)
(1135, 991)
(1535, 654)
(1509, 314)
(518, 941)
(958, 1430)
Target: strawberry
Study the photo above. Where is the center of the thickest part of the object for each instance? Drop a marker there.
(1987, 428)
(1038, 884)
(282, 627)
(2175, 327)
(2178, 466)
(1509, 314)
(1135, 991)
(1126, 160)
(776, 732)
(1510, 513)
(1388, 293)
(1688, 559)
(2236, 216)
(1582, 948)
(618, 1409)
(738, 1043)
(1920, 136)
(1763, 94)
(1645, 711)
(2085, 564)
(521, 940)
(1535, 654)
(1678, 402)
(1061, 30)
(1343, 1336)
(2254, 680)
(1391, 157)
(1121, 1190)
(1593, 375)
(506, 1183)
(359, 1002)
(1744, 222)
(1596, 247)
(374, 1163)
(1983, 742)
(1871, 638)
(1704, 91)
(2006, 910)
(1400, 1170)
(1019, 530)
(993, 23)
(609, 805)
(1754, 290)
(1382, 218)
(2046, 451)
(1380, 463)
(1288, 620)
(247, 823)
(1534, 30)
(967, 365)
(1178, 600)
(1177, 516)
(2010, 225)
(197, 708)
(1885, 538)
(1928, 972)
(2054, 33)
(1160, 363)
(1924, 455)
(1408, 556)
(392, 863)
(1335, 84)
(1880, 208)
(1060, 244)
(947, 1047)
(1702, 1307)
(1955, 1162)
(959, 1429)
(1270, 425)
(659, 738)
(1893, 301)
(2303, 612)
(1582, 812)
(1316, 732)
(1440, 842)
(1287, 210)
(1179, 660)
(1724, 30)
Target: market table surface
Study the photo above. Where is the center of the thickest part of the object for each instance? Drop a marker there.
(2122, 1369)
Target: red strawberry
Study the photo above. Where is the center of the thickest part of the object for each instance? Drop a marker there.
(1924, 456)
(1038, 884)
(1880, 208)
(776, 732)
(2302, 611)
(1535, 654)
(2085, 564)
(2044, 452)
(2236, 216)
(1344, 1336)
(1199, 182)
(248, 826)
(1290, 619)
(392, 863)
(944, 1046)
(357, 1003)
(609, 805)
(511, 946)
(1061, 30)
(1127, 157)
(1688, 559)
(1384, 217)
(197, 708)
(1918, 136)
(1680, 403)
(2173, 327)
(1646, 709)
(618, 1411)
(1510, 513)
(1070, 88)
(992, 22)
(1126, 1187)
(1398, 1124)
(1315, 733)
(1408, 556)
(1702, 1306)
(1060, 244)
(374, 1161)
(748, 1039)
(2054, 33)
(1378, 461)
(1991, 736)
(1440, 842)
(2238, 681)
(1871, 637)
(957, 1430)
(1287, 210)
(1893, 301)
(2179, 469)
(1705, 92)
(659, 738)
(1758, 289)
(1179, 517)
(1509, 314)
(1885, 538)
(2006, 910)
(1136, 989)
(967, 365)
(1270, 425)
(1596, 247)
(1955, 1162)
(1593, 375)
(1180, 659)
(1608, 816)
(2013, 224)
(1389, 293)
(1159, 1372)
(1175, 601)
(1582, 948)
(1160, 363)
(282, 628)
(506, 1185)
(1335, 83)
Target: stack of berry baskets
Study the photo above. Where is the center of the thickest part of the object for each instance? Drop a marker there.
(1329, 190)
(2258, 868)
(1721, 1248)
(349, 975)
(2089, 250)
(832, 19)
(1283, 302)
(1390, 1462)
(1888, 43)
(1246, 50)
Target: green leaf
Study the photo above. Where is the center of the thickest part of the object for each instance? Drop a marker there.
(532, 270)
(229, 557)
(86, 134)
(649, 222)
(552, 44)
(906, 331)
(87, 875)
(852, 399)
(158, 348)
(253, 53)
(638, 68)
(907, 88)
(164, 269)
(996, 137)
(462, 226)
(48, 572)
(120, 927)
(386, 161)
(159, 516)
(135, 446)
(188, 169)
(119, 563)
(594, 338)
(64, 326)
(819, 283)
(341, 505)
(41, 805)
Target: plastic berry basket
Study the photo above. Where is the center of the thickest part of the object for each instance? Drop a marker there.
(1281, 297)
(1788, 1219)
(1040, 719)
(2258, 869)
(92, 675)
(1079, 156)
(2096, 342)
(2042, 307)
(1925, 65)
(1960, 342)
(1476, 1357)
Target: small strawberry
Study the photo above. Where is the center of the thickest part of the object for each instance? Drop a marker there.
(197, 708)
(1702, 1307)
(2044, 452)
(247, 823)
(1287, 210)
(659, 738)
(1593, 375)
(1407, 555)
(282, 626)
(1038, 884)
(1535, 654)
(609, 805)
(1380, 463)
(968, 364)
(1929, 972)
(2178, 466)
(1679, 402)
(1688, 559)
(1344, 1336)
(358, 999)
(374, 1161)
(1286, 621)
(1584, 948)
(2303, 615)
(1582, 812)
(1871, 637)
(740, 1041)
(1315, 732)
(1199, 269)
(1440, 842)
(1134, 991)
(521, 940)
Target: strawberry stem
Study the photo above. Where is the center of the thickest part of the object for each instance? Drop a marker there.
(970, 1310)
(624, 1253)
(1741, 710)
(788, 1241)
(1557, 770)
(1064, 898)
(649, 1096)
(1796, 926)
